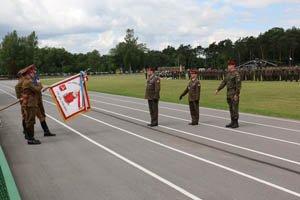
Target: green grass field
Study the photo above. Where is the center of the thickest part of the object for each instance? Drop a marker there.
(278, 99)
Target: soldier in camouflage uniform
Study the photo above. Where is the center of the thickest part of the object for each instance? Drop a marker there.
(152, 95)
(193, 89)
(233, 82)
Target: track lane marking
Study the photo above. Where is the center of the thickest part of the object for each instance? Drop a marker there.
(133, 164)
(181, 119)
(190, 155)
(212, 116)
(218, 110)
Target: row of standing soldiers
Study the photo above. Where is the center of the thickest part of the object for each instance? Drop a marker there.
(255, 74)
(232, 80)
(171, 74)
(29, 90)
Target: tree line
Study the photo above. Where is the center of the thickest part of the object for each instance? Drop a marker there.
(276, 45)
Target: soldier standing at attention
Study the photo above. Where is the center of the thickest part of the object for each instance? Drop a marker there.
(233, 82)
(193, 89)
(41, 110)
(152, 95)
(30, 102)
(19, 93)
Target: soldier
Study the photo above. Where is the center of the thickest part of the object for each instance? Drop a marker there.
(152, 95)
(233, 82)
(41, 115)
(291, 74)
(30, 102)
(193, 89)
(296, 73)
(19, 93)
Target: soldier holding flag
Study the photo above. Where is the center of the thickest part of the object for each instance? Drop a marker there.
(32, 88)
(40, 109)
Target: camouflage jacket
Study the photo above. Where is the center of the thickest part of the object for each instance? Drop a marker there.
(233, 82)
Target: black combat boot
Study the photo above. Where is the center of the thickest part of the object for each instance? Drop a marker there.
(24, 127)
(152, 125)
(25, 130)
(193, 123)
(31, 140)
(235, 124)
(46, 129)
(230, 125)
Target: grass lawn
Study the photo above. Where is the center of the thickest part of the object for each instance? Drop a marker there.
(278, 99)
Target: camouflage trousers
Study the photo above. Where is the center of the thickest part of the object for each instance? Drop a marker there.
(233, 108)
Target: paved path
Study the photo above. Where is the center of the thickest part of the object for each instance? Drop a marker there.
(110, 153)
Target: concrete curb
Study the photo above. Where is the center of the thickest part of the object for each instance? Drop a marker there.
(11, 187)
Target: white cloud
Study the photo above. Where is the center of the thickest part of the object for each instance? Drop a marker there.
(84, 25)
(222, 34)
(290, 22)
(292, 10)
(258, 3)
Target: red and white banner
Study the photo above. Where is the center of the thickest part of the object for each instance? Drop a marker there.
(71, 96)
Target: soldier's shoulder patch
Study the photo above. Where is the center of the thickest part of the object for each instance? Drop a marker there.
(158, 81)
(199, 84)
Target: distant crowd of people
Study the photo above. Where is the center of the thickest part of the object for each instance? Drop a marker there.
(247, 74)
(255, 74)
(170, 74)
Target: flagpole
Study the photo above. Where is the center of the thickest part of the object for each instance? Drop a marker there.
(5, 107)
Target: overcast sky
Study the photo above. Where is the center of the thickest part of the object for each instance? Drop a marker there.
(83, 25)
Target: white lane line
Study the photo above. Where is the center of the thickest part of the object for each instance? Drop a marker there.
(247, 114)
(226, 129)
(206, 138)
(199, 158)
(137, 166)
(193, 156)
(225, 143)
(213, 140)
(213, 116)
(213, 109)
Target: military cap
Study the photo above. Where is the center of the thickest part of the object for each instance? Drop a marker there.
(28, 69)
(231, 63)
(20, 72)
(194, 72)
(151, 69)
